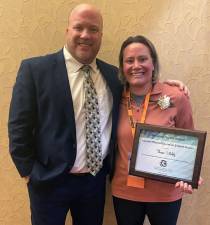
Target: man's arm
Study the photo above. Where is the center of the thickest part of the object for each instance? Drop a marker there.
(22, 120)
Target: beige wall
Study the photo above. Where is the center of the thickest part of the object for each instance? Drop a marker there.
(179, 29)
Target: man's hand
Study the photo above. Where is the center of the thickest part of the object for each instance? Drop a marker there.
(27, 179)
(179, 84)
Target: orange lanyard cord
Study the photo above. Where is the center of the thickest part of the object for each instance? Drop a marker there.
(130, 112)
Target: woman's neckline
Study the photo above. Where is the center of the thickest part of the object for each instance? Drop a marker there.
(138, 99)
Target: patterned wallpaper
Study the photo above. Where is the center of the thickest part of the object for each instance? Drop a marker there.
(179, 29)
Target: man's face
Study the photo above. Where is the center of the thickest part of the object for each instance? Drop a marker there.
(84, 34)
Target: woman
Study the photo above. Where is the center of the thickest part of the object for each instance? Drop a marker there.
(139, 69)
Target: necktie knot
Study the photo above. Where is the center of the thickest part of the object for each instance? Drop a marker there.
(86, 69)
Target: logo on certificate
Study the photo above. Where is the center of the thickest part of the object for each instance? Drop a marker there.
(163, 163)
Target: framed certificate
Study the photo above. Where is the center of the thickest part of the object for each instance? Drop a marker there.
(167, 154)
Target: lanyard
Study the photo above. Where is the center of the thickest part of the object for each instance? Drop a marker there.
(130, 111)
(133, 181)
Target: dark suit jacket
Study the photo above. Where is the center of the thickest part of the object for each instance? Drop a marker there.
(41, 124)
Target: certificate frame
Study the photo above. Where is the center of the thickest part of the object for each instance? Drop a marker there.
(169, 147)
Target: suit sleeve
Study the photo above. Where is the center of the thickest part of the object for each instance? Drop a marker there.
(22, 121)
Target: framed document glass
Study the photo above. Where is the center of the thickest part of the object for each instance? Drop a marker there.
(167, 154)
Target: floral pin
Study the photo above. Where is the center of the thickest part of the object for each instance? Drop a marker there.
(164, 102)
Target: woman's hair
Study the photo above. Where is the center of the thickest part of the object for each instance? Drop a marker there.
(142, 40)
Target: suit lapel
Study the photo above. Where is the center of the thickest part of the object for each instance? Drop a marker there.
(62, 90)
(106, 75)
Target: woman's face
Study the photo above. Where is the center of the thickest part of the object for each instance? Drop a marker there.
(137, 65)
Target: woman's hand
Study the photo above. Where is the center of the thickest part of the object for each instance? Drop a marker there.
(187, 188)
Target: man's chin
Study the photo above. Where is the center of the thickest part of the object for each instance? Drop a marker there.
(85, 59)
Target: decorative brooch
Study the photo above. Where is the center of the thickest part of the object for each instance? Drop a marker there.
(164, 102)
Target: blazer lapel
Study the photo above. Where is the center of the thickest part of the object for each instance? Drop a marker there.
(111, 78)
(62, 91)
(106, 75)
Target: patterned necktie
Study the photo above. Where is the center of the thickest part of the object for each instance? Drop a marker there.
(92, 124)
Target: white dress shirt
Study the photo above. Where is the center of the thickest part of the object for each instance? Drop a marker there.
(105, 100)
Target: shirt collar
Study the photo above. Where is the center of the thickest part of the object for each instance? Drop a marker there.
(157, 88)
(75, 65)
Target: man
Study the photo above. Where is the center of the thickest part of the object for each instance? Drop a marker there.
(48, 125)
